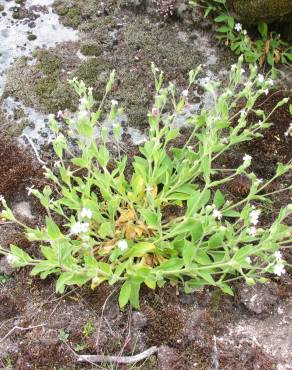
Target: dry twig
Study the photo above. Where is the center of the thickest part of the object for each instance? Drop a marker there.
(118, 359)
(21, 329)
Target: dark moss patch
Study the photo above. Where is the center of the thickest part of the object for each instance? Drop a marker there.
(90, 49)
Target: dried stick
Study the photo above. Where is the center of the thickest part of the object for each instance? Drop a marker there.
(118, 359)
(20, 328)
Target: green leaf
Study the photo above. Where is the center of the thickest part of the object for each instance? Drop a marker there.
(219, 199)
(53, 230)
(206, 276)
(226, 288)
(231, 213)
(105, 230)
(21, 258)
(125, 293)
(150, 217)
(188, 253)
(215, 241)
(134, 296)
(140, 249)
(263, 29)
(202, 257)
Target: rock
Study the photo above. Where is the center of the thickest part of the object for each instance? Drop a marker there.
(5, 267)
(250, 12)
(259, 298)
(167, 357)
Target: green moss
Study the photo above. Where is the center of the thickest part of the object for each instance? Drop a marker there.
(90, 49)
(92, 72)
(62, 10)
(73, 18)
(47, 62)
(31, 37)
(45, 87)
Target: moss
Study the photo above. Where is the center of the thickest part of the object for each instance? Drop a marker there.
(92, 72)
(45, 87)
(31, 36)
(73, 18)
(90, 49)
(251, 12)
(61, 10)
(47, 62)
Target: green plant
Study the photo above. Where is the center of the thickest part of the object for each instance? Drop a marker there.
(268, 47)
(63, 335)
(88, 329)
(117, 227)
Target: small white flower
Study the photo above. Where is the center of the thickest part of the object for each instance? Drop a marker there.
(217, 214)
(83, 101)
(254, 216)
(60, 114)
(114, 102)
(242, 70)
(243, 112)
(278, 256)
(261, 78)
(155, 111)
(86, 213)
(122, 245)
(248, 260)
(266, 91)
(29, 190)
(185, 93)
(260, 123)
(244, 32)
(83, 114)
(2, 198)
(252, 231)
(279, 269)
(233, 67)
(80, 227)
(238, 27)
(247, 158)
(270, 82)
(225, 140)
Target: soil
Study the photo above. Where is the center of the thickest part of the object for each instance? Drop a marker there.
(203, 330)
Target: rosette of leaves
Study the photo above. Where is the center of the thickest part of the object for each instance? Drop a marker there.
(115, 228)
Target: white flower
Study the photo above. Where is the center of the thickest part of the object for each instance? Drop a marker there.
(270, 82)
(278, 255)
(242, 70)
(233, 67)
(252, 231)
(1, 198)
(244, 32)
(122, 245)
(114, 102)
(185, 93)
(217, 214)
(238, 27)
(80, 227)
(247, 157)
(29, 190)
(260, 123)
(248, 260)
(266, 91)
(60, 114)
(254, 216)
(279, 269)
(261, 78)
(83, 101)
(86, 213)
(243, 112)
(155, 111)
